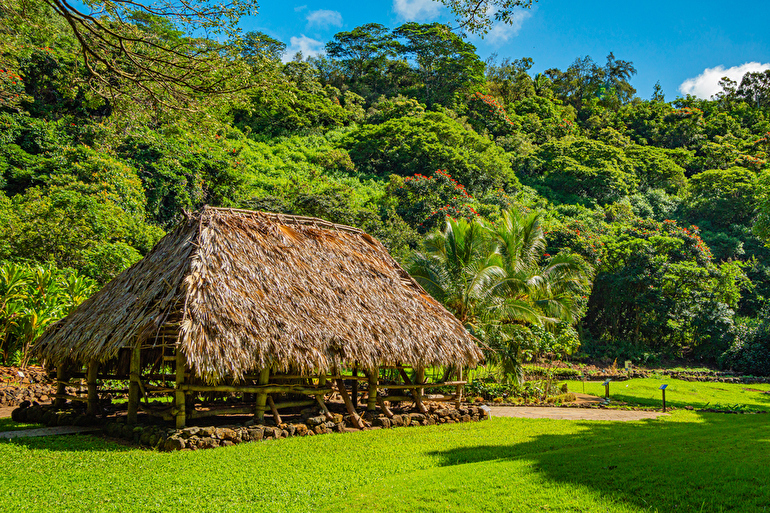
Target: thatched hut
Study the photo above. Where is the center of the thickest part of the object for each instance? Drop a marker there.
(256, 303)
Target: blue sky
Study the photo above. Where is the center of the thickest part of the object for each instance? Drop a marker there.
(686, 45)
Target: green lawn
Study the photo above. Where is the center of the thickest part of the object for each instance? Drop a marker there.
(687, 462)
(645, 392)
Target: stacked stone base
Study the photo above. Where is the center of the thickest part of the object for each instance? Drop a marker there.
(208, 437)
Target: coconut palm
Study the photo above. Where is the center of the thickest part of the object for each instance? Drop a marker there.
(495, 280)
(458, 269)
(533, 290)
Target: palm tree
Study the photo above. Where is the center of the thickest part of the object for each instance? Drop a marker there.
(534, 291)
(494, 279)
(458, 269)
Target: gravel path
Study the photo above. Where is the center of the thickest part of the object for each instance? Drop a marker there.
(534, 412)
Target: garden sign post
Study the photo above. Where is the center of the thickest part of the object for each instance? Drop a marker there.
(663, 390)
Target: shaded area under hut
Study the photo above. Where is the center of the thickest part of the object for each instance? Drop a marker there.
(275, 311)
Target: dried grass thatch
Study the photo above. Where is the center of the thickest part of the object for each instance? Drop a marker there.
(247, 290)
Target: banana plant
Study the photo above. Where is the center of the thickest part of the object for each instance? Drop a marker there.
(13, 283)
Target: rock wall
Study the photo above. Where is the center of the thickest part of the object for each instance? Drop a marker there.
(207, 437)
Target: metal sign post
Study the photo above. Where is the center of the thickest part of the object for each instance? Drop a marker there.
(663, 390)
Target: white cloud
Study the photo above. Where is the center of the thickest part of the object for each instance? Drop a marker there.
(502, 32)
(308, 46)
(300, 8)
(324, 18)
(417, 10)
(706, 84)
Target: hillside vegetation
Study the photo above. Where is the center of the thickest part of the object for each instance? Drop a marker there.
(559, 212)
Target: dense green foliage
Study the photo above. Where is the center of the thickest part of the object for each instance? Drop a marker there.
(397, 132)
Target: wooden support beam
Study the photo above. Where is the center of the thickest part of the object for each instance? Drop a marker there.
(399, 398)
(93, 389)
(259, 408)
(404, 376)
(294, 404)
(354, 388)
(320, 400)
(371, 402)
(349, 404)
(459, 388)
(258, 389)
(384, 408)
(213, 412)
(410, 386)
(133, 384)
(61, 387)
(180, 398)
(64, 397)
(419, 379)
(276, 416)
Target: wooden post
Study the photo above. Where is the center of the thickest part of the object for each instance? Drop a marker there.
(180, 398)
(354, 391)
(276, 416)
(459, 388)
(259, 410)
(93, 391)
(349, 404)
(133, 384)
(62, 376)
(327, 413)
(371, 402)
(418, 392)
(384, 408)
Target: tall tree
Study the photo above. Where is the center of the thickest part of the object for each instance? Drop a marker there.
(444, 62)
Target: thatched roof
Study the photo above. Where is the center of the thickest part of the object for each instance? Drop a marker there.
(244, 290)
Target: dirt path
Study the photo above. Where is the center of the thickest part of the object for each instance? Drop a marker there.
(535, 412)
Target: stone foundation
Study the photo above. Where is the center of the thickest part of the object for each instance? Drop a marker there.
(310, 423)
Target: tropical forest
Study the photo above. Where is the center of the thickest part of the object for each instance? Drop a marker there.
(550, 212)
(556, 226)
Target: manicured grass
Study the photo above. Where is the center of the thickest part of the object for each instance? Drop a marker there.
(645, 392)
(686, 462)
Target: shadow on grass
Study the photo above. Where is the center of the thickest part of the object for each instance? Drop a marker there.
(70, 443)
(716, 462)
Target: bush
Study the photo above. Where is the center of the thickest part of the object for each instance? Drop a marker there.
(750, 352)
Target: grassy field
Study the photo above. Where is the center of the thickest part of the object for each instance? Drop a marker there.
(645, 392)
(687, 462)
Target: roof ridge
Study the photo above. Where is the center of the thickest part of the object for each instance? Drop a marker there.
(289, 219)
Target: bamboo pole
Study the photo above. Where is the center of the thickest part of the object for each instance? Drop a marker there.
(349, 404)
(259, 409)
(133, 384)
(276, 416)
(180, 398)
(93, 390)
(371, 402)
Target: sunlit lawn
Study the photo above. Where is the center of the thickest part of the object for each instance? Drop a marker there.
(687, 462)
(646, 392)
